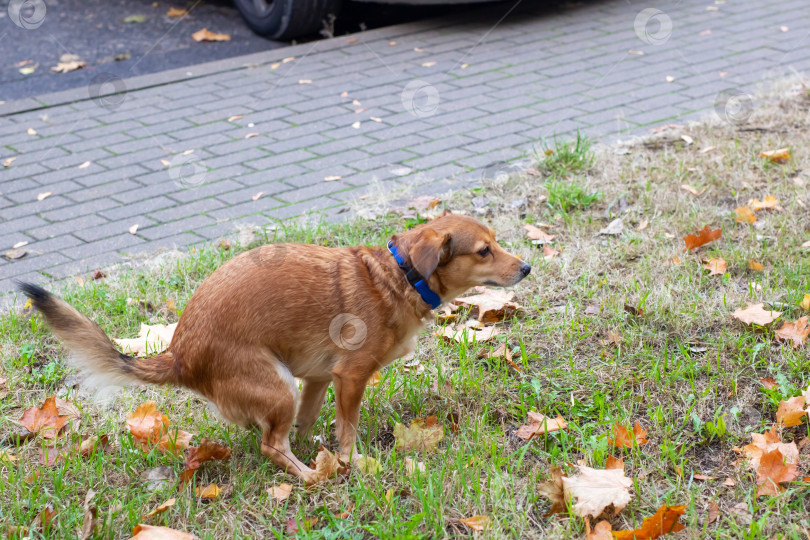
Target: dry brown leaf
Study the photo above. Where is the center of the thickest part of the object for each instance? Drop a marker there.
(624, 439)
(468, 335)
(614, 463)
(490, 305)
(716, 267)
(596, 489)
(280, 493)
(768, 203)
(772, 470)
(714, 512)
(159, 509)
(476, 523)
(175, 441)
(791, 412)
(94, 443)
(176, 13)
(45, 420)
(207, 35)
(553, 491)
(537, 234)
(150, 532)
(664, 521)
(327, 465)
(756, 266)
(540, 424)
(756, 314)
(147, 424)
(197, 455)
(776, 156)
(90, 519)
(701, 238)
(729, 482)
(768, 382)
(293, 526)
(795, 332)
(699, 476)
(766, 442)
(421, 435)
(745, 214)
(211, 491)
(602, 531)
(502, 351)
(549, 252)
(152, 339)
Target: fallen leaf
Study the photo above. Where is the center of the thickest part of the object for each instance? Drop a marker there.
(772, 470)
(15, 254)
(280, 493)
(613, 228)
(411, 466)
(540, 424)
(703, 477)
(294, 526)
(150, 532)
(288, 59)
(133, 229)
(44, 519)
(93, 443)
(421, 435)
(152, 339)
(549, 252)
(476, 523)
(159, 509)
(796, 332)
(43, 196)
(211, 491)
(256, 197)
(367, 465)
(356, 125)
(614, 463)
(234, 118)
(690, 189)
(623, 439)
(716, 267)
(67, 67)
(602, 531)
(175, 441)
(714, 512)
(251, 135)
(663, 522)
(90, 519)
(7, 457)
(147, 424)
(176, 13)
(50, 455)
(669, 78)
(805, 303)
(596, 489)
(28, 70)
(553, 491)
(701, 238)
(776, 156)
(769, 382)
(537, 234)
(197, 455)
(468, 335)
(768, 203)
(745, 214)
(9, 161)
(490, 305)
(45, 420)
(755, 314)
(791, 412)
(729, 482)
(375, 379)
(331, 178)
(207, 35)
(327, 465)
(763, 443)
(84, 165)
(756, 266)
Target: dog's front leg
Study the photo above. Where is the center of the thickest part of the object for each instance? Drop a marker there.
(349, 390)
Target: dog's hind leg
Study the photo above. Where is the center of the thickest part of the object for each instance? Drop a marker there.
(309, 406)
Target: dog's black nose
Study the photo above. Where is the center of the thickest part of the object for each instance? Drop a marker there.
(525, 269)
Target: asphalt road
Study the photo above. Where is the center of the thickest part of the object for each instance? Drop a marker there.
(96, 31)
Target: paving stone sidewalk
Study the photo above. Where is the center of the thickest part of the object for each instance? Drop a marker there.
(183, 154)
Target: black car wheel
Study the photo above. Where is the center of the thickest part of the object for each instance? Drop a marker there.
(286, 19)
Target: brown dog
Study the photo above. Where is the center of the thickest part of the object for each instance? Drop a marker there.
(286, 311)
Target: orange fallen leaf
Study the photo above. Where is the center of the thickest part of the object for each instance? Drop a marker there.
(623, 439)
(756, 266)
(791, 412)
(150, 532)
(207, 35)
(614, 463)
(745, 214)
(147, 424)
(768, 382)
(776, 156)
(714, 512)
(197, 455)
(596, 489)
(502, 351)
(476, 523)
(45, 419)
(159, 509)
(805, 303)
(701, 238)
(211, 491)
(665, 520)
(768, 203)
(763, 443)
(756, 314)
(796, 332)
(540, 424)
(553, 491)
(772, 470)
(716, 267)
(280, 493)
(549, 252)
(327, 465)
(538, 234)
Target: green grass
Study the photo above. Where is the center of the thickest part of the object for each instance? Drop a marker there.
(685, 370)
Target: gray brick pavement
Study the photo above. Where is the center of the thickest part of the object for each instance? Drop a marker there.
(493, 94)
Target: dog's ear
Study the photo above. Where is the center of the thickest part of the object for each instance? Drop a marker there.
(430, 249)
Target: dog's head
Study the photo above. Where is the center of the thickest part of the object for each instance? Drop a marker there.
(454, 253)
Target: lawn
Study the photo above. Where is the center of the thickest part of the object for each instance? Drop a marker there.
(613, 330)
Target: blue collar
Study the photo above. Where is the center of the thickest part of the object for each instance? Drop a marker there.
(431, 298)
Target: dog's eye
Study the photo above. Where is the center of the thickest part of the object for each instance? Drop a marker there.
(484, 252)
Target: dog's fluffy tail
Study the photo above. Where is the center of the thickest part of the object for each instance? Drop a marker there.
(91, 350)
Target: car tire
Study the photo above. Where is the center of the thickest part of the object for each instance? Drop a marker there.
(286, 19)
